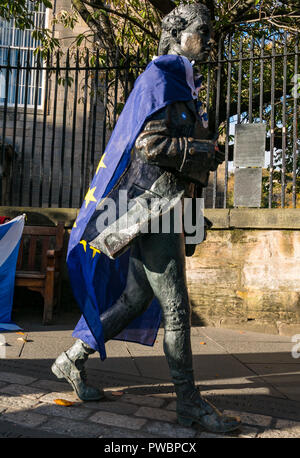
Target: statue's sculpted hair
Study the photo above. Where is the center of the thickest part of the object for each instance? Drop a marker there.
(178, 20)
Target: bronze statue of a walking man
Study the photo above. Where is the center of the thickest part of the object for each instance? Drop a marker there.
(165, 153)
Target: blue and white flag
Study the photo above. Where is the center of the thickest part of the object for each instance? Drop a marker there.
(10, 237)
(98, 281)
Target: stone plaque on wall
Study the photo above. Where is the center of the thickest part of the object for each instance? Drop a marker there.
(249, 145)
(247, 187)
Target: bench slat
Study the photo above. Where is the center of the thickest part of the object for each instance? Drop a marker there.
(28, 274)
(32, 251)
(45, 248)
(39, 230)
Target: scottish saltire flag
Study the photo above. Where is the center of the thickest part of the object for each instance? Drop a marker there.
(10, 237)
(98, 281)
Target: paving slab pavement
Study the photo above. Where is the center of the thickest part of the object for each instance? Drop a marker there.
(252, 375)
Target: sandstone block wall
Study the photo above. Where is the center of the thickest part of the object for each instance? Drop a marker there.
(248, 276)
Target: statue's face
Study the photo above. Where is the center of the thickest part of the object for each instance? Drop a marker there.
(186, 32)
(194, 41)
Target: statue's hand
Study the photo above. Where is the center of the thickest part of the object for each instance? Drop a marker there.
(219, 157)
(201, 153)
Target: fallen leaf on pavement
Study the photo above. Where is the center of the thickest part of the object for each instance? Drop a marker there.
(22, 339)
(202, 343)
(63, 402)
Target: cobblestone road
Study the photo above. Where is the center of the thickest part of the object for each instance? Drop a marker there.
(28, 402)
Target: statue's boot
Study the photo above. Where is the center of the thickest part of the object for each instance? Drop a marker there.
(133, 301)
(191, 407)
(194, 409)
(70, 365)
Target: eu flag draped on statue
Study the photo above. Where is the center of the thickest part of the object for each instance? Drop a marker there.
(98, 281)
(10, 237)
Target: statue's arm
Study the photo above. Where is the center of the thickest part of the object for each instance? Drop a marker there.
(161, 143)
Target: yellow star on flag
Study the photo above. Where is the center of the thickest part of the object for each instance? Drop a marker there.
(90, 196)
(94, 251)
(101, 163)
(83, 242)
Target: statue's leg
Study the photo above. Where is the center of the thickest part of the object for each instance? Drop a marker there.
(164, 262)
(134, 300)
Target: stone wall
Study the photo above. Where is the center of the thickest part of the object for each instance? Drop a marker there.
(245, 275)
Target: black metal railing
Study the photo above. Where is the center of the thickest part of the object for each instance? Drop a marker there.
(56, 115)
(255, 81)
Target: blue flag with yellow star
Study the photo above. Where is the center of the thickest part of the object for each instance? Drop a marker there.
(98, 281)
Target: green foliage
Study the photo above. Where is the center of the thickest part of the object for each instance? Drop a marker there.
(21, 11)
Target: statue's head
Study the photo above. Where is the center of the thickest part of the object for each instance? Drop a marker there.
(186, 32)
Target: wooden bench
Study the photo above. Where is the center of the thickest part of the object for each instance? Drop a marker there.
(39, 264)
